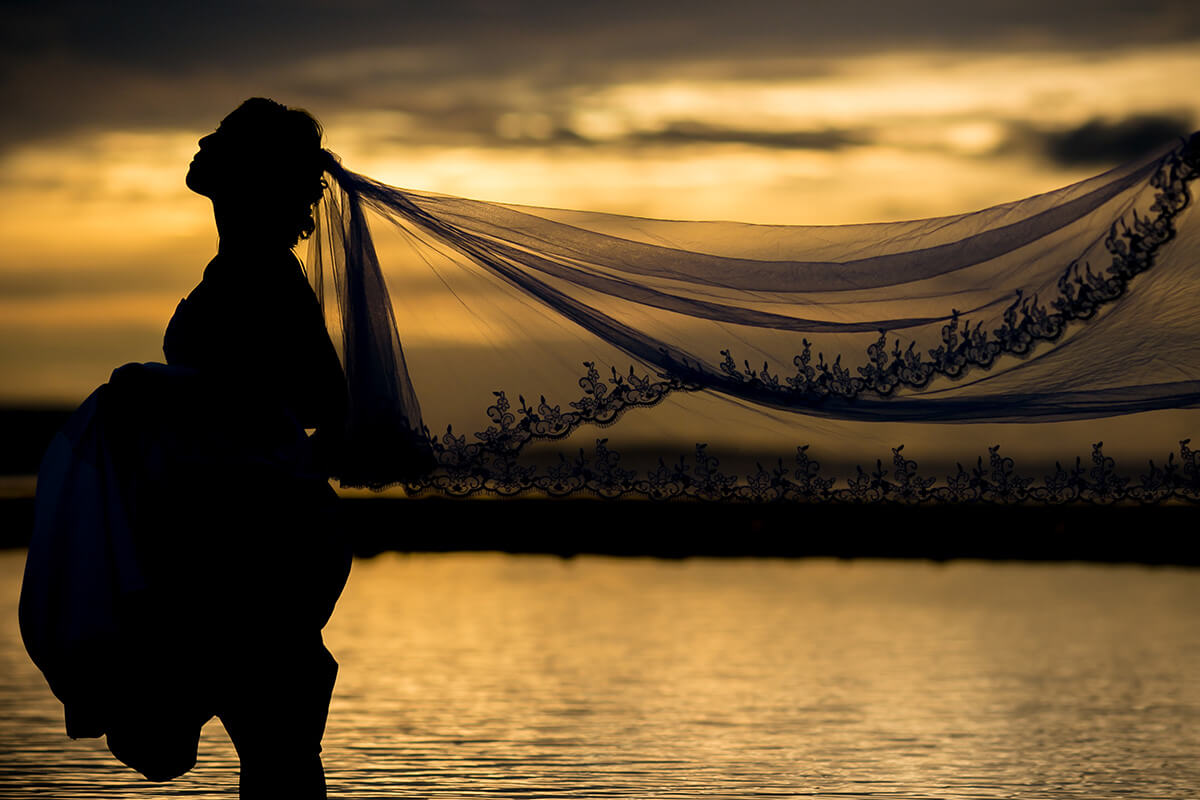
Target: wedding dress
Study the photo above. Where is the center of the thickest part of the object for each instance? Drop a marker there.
(185, 527)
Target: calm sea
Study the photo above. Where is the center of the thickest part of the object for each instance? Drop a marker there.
(484, 675)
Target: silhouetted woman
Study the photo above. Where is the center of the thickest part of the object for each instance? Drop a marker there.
(197, 486)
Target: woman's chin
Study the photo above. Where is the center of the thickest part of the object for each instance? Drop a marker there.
(195, 181)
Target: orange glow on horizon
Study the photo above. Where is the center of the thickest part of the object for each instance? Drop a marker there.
(106, 236)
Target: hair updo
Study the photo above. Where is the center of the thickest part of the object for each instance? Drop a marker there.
(278, 151)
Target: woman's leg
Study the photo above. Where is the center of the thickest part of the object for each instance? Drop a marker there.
(274, 709)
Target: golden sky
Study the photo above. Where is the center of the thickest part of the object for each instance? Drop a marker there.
(833, 113)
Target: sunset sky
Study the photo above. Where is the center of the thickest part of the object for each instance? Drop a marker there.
(784, 112)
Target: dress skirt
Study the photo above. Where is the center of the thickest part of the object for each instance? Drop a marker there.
(186, 554)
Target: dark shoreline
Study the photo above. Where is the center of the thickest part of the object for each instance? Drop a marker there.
(1150, 534)
(679, 529)
(1159, 535)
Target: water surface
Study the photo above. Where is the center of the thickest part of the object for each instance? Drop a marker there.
(485, 675)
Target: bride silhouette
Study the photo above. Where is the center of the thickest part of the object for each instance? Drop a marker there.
(187, 554)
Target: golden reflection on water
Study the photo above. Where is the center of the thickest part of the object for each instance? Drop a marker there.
(522, 676)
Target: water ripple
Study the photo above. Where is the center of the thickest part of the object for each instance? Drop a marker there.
(483, 675)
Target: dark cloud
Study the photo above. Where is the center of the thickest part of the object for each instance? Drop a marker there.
(696, 133)
(1102, 142)
(70, 65)
(685, 132)
(176, 37)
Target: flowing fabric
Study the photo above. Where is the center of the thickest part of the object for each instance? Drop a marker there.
(156, 593)
(385, 439)
(70, 607)
(1031, 311)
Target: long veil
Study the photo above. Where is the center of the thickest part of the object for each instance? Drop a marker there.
(1074, 304)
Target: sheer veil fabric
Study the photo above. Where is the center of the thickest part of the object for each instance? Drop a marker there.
(1079, 303)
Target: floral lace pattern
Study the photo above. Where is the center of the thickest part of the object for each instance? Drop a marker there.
(994, 480)
(1132, 242)
(490, 465)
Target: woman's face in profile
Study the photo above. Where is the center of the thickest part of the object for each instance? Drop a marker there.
(226, 158)
(202, 171)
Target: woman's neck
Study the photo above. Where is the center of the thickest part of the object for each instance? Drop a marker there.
(241, 231)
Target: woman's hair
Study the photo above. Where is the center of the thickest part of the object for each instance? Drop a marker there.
(283, 161)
